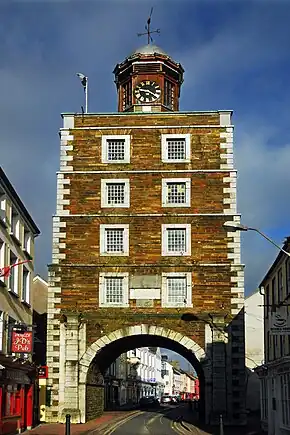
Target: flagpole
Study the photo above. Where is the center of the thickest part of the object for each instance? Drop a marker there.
(86, 95)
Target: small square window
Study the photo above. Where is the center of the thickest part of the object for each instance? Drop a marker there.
(113, 289)
(116, 149)
(176, 289)
(115, 193)
(114, 240)
(176, 239)
(176, 192)
(175, 148)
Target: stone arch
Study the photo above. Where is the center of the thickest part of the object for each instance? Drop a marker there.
(142, 329)
(191, 348)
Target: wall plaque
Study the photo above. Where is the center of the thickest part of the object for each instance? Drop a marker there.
(145, 293)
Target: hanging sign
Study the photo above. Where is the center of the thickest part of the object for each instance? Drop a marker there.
(21, 342)
(279, 322)
(43, 372)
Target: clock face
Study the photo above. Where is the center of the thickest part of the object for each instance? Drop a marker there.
(147, 91)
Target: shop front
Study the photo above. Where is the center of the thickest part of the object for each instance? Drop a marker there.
(17, 382)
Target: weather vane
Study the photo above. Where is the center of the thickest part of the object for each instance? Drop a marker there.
(147, 28)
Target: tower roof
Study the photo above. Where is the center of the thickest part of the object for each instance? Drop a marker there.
(148, 49)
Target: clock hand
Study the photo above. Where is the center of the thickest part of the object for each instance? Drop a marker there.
(150, 92)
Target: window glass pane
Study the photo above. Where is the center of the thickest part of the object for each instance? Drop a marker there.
(176, 290)
(176, 193)
(176, 240)
(114, 290)
(115, 240)
(13, 274)
(116, 149)
(176, 149)
(115, 193)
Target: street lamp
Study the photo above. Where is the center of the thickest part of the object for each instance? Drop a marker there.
(235, 226)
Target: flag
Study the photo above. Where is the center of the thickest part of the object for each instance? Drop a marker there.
(5, 271)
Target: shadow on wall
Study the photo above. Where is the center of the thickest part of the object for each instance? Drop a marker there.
(253, 391)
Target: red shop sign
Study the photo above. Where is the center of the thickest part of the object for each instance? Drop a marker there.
(22, 342)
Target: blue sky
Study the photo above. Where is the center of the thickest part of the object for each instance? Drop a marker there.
(235, 55)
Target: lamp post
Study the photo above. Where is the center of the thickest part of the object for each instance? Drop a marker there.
(235, 226)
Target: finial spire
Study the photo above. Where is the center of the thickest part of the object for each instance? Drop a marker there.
(148, 31)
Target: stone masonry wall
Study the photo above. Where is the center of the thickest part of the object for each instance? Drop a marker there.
(217, 275)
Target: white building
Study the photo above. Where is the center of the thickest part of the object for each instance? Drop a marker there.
(254, 336)
(148, 371)
(275, 372)
(167, 376)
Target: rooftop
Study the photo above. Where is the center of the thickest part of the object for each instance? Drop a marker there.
(148, 49)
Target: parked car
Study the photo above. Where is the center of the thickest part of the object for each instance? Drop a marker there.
(166, 399)
(149, 402)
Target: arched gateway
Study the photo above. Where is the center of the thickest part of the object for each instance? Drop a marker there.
(139, 240)
(106, 349)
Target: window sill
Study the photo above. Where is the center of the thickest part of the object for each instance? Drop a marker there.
(176, 254)
(27, 304)
(165, 305)
(176, 161)
(126, 205)
(114, 305)
(179, 205)
(116, 162)
(15, 239)
(114, 254)
(13, 293)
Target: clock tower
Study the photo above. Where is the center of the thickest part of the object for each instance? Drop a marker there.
(148, 80)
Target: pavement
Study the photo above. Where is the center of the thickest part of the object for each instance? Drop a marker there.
(97, 426)
(167, 420)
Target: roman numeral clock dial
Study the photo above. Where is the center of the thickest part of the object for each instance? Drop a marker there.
(147, 91)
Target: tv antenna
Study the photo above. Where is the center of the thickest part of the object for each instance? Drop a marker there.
(148, 30)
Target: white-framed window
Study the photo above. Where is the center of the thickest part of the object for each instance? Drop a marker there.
(114, 240)
(27, 241)
(114, 289)
(3, 216)
(116, 148)
(13, 277)
(15, 224)
(115, 192)
(176, 239)
(1, 330)
(176, 289)
(26, 285)
(176, 192)
(2, 257)
(175, 148)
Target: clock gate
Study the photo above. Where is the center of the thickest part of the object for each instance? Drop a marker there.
(139, 246)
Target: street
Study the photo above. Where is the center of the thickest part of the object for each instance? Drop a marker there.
(162, 421)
